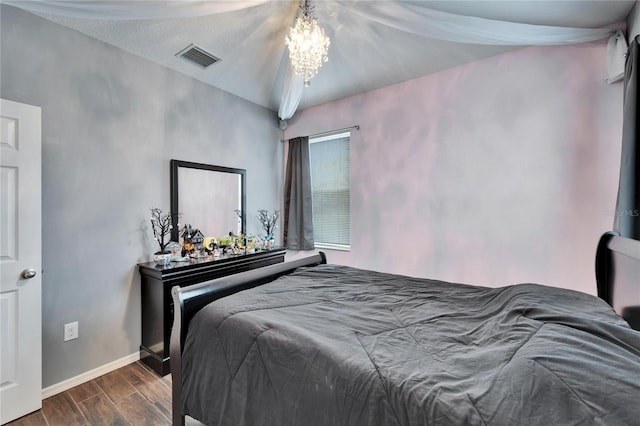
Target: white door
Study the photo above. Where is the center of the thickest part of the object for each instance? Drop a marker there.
(20, 259)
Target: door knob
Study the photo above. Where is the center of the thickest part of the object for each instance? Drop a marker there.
(28, 273)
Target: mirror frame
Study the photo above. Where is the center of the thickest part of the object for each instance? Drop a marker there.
(175, 167)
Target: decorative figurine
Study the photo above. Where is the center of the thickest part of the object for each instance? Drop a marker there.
(176, 251)
(189, 247)
(209, 245)
(197, 238)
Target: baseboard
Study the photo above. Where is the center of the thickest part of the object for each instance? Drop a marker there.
(89, 375)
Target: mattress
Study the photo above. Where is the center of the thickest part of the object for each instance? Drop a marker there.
(335, 345)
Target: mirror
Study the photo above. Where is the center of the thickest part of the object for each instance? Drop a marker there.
(207, 198)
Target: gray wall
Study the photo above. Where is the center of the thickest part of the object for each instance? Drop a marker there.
(111, 122)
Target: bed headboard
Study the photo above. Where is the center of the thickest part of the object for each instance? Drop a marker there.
(618, 275)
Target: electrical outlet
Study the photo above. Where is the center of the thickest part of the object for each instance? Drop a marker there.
(71, 331)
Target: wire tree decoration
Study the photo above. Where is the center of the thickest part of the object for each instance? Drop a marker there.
(161, 226)
(268, 222)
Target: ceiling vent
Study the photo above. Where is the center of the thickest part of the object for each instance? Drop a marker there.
(197, 55)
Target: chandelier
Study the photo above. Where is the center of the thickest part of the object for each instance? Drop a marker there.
(308, 46)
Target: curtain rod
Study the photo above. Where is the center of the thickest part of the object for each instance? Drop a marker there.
(317, 135)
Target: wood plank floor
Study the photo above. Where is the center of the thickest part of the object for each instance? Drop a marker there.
(131, 395)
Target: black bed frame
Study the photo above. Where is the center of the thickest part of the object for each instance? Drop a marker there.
(189, 300)
(617, 276)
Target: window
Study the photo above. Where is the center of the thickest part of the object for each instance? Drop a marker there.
(330, 170)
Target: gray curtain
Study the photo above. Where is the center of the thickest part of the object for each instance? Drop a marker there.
(627, 217)
(298, 212)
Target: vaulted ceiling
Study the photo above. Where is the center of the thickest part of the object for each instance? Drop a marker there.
(363, 55)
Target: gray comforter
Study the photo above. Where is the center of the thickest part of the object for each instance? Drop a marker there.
(333, 345)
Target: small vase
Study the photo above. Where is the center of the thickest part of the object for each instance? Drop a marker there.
(162, 258)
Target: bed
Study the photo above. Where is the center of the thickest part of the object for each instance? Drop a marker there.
(309, 343)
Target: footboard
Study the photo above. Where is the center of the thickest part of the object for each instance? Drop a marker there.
(189, 300)
(618, 275)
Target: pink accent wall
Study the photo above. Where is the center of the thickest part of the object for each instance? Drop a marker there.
(493, 173)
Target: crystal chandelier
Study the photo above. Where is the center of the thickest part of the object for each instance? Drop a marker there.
(308, 46)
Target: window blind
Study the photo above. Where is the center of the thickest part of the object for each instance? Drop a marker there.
(330, 171)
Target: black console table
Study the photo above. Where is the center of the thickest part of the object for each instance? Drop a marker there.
(157, 305)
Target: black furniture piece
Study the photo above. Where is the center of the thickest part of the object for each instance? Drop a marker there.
(618, 275)
(157, 304)
(281, 337)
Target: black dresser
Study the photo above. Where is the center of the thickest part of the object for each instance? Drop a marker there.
(157, 305)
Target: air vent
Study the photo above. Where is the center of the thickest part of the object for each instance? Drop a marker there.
(197, 55)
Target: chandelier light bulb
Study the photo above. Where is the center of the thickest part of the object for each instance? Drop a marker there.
(307, 43)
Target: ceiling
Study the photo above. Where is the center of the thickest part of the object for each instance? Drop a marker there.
(363, 55)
